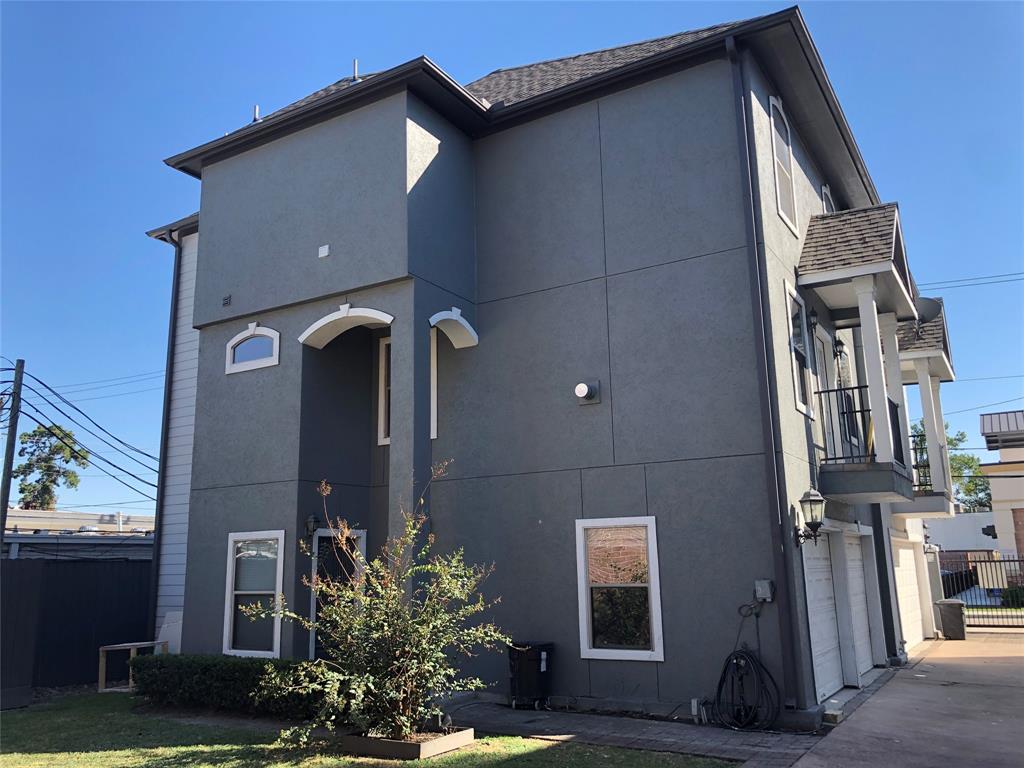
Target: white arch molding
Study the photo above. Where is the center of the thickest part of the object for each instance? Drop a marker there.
(456, 328)
(329, 327)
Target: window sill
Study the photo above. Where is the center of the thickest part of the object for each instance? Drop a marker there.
(253, 654)
(790, 224)
(612, 654)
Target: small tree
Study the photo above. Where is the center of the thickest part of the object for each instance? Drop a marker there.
(390, 630)
(970, 487)
(48, 461)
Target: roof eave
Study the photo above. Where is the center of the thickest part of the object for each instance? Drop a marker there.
(184, 226)
(192, 160)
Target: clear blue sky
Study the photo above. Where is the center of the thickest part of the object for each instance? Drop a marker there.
(94, 96)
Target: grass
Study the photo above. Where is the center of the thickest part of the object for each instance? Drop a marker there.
(109, 730)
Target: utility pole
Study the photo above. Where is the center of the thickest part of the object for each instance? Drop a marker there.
(12, 437)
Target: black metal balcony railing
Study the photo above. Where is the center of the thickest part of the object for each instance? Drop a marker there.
(849, 433)
(922, 467)
(847, 422)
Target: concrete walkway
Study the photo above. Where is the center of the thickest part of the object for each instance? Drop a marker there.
(754, 750)
(959, 703)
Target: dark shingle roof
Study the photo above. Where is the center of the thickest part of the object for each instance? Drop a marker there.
(323, 93)
(520, 83)
(930, 335)
(849, 238)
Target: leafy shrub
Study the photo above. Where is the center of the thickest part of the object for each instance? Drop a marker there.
(390, 630)
(1013, 597)
(235, 684)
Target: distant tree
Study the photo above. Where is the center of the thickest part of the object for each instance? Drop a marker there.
(48, 464)
(970, 487)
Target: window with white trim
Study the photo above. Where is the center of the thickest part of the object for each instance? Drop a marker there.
(619, 591)
(255, 569)
(384, 392)
(827, 203)
(800, 350)
(782, 151)
(255, 347)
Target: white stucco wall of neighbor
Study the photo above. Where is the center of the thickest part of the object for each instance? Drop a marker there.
(962, 532)
(177, 476)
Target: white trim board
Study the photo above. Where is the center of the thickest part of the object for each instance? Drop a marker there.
(657, 650)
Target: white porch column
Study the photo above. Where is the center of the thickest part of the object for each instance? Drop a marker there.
(894, 379)
(874, 367)
(940, 425)
(932, 430)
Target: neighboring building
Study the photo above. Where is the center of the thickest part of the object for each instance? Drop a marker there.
(663, 281)
(969, 532)
(1004, 432)
(54, 521)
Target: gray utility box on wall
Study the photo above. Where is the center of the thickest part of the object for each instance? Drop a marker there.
(951, 617)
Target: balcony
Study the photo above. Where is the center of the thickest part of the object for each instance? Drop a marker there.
(849, 470)
(931, 498)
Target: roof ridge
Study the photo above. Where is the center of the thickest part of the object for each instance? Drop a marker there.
(617, 47)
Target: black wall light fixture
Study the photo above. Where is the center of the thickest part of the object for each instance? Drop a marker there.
(812, 504)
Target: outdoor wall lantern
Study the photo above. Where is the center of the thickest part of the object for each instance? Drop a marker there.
(312, 523)
(840, 348)
(812, 504)
(812, 319)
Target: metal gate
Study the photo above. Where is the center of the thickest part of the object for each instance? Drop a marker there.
(991, 587)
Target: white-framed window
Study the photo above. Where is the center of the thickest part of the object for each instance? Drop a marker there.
(255, 570)
(384, 392)
(828, 205)
(782, 152)
(433, 383)
(619, 589)
(255, 347)
(328, 560)
(799, 345)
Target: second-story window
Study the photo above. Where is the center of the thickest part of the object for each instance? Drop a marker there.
(827, 204)
(384, 393)
(255, 347)
(782, 151)
(799, 346)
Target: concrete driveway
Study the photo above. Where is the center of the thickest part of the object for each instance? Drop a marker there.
(958, 703)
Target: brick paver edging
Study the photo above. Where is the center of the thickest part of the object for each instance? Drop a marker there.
(753, 749)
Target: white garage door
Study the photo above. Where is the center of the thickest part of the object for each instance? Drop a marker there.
(821, 608)
(906, 592)
(858, 602)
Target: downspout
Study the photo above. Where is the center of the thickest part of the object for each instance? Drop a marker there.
(154, 577)
(792, 674)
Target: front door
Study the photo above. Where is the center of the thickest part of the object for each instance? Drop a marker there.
(329, 562)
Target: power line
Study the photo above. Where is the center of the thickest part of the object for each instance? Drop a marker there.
(970, 279)
(118, 394)
(101, 381)
(79, 390)
(986, 405)
(86, 457)
(993, 378)
(973, 285)
(94, 423)
(66, 415)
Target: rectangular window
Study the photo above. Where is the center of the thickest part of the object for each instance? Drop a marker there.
(384, 393)
(619, 593)
(330, 562)
(798, 344)
(254, 576)
(782, 151)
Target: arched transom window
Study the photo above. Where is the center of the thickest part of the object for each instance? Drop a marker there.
(255, 347)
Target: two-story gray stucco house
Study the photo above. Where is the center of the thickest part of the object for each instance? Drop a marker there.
(645, 299)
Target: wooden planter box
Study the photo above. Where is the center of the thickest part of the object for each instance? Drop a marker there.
(392, 749)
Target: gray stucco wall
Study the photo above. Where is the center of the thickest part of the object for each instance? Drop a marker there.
(266, 212)
(610, 245)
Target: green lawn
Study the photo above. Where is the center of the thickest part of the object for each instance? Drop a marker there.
(107, 731)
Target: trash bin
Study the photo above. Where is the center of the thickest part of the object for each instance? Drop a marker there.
(951, 616)
(529, 674)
